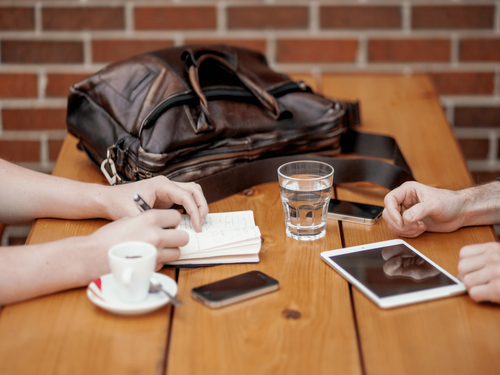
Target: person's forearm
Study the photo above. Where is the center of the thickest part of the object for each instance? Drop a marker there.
(26, 195)
(35, 270)
(482, 204)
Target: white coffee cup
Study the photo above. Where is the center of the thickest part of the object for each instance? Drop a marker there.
(133, 264)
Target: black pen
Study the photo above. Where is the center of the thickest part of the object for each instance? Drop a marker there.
(141, 205)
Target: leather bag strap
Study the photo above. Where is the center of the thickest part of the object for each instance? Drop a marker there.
(267, 101)
(231, 181)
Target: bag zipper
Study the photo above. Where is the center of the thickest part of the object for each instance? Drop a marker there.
(210, 155)
(213, 94)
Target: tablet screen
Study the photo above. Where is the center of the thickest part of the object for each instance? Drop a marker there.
(392, 270)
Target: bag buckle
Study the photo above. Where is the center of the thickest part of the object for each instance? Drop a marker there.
(113, 178)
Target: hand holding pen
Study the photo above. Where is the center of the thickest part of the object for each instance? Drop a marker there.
(140, 203)
(187, 195)
(143, 206)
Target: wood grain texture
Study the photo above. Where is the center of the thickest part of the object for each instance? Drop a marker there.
(449, 336)
(64, 333)
(406, 107)
(309, 325)
(258, 336)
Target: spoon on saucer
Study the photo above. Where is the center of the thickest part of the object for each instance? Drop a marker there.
(155, 287)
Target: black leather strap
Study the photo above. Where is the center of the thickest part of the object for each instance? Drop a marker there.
(379, 172)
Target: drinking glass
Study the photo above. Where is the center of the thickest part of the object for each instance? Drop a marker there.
(305, 188)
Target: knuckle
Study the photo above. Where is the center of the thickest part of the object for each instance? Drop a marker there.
(460, 267)
(155, 239)
(149, 217)
(197, 186)
(467, 281)
(159, 179)
(474, 295)
(183, 238)
(495, 273)
(175, 216)
(492, 256)
(386, 199)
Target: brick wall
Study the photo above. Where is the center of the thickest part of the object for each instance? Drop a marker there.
(45, 46)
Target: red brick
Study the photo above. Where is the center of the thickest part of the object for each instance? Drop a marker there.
(18, 85)
(175, 18)
(34, 119)
(477, 117)
(474, 148)
(267, 17)
(463, 83)
(409, 50)
(453, 17)
(116, 50)
(20, 151)
(17, 18)
(360, 17)
(256, 44)
(316, 50)
(41, 52)
(83, 18)
(58, 84)
(480, 50)
(54, 149)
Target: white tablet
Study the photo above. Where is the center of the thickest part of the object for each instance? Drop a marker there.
(392, 273)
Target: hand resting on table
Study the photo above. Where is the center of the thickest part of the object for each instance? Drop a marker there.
(414, 208)
(38, 269)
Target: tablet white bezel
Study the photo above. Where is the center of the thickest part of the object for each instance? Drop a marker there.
(400, 299)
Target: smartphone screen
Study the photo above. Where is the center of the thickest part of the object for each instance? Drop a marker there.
(235, 289)
(354, 212)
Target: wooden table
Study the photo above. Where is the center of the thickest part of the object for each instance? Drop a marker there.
(316, 323)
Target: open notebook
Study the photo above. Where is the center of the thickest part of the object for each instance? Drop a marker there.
(227, 237)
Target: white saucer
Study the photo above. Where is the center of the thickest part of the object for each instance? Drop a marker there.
(104, 296)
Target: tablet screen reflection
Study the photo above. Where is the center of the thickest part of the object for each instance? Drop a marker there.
(392, 270)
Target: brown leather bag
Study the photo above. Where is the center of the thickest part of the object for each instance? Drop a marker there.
(217, 115)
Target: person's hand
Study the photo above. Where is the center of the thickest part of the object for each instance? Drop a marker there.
(150, 226)
(400, 261)
(413, 208)
(479, 270)
(158, 192)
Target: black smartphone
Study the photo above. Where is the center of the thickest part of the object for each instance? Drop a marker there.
(234, 289)
(354, 212)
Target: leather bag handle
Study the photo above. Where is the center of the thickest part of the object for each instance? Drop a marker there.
(207, 122)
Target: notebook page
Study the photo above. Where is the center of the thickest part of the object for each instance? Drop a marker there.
(220, 221)
(201, 242)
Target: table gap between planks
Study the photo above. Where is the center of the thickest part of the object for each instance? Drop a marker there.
(315, 323)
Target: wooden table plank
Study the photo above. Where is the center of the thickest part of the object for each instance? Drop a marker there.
(256, 336)
(449, 336)
(406, 108)
(64, 333)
